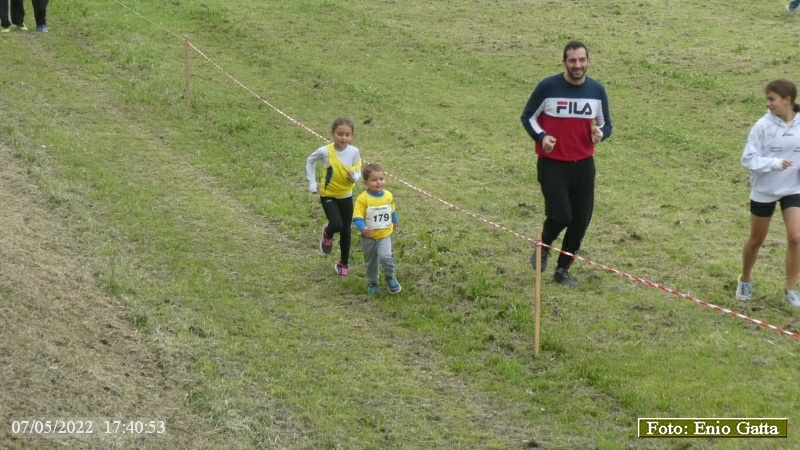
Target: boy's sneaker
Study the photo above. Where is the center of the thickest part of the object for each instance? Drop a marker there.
(793, 298)
(22, 27)
(326, 243)
(562, 276)
(372, 288)
(5, 30)
(744, 290)
(42, 28)
(341, 269)
(394, 286)
(791, 10)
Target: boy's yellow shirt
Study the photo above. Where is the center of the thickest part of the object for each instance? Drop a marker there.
(372, 209)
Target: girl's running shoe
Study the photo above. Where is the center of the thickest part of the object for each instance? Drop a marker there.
(341, 269)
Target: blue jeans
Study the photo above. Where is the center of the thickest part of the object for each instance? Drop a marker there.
(794, 4)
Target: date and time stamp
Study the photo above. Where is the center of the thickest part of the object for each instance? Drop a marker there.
(92, 427)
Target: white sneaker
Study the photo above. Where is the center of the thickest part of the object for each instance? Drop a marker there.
(744, 290)
(793, 298)
(791, 10)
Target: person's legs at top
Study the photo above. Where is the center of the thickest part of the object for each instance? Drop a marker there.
(4, 21)
(792, 6)
(40, 14)
(18, 14)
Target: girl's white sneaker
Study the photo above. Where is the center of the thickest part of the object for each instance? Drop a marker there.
(793, 298)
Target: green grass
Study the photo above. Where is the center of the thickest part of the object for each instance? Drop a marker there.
(197, 219)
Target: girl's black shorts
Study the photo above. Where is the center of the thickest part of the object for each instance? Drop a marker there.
(759, 209)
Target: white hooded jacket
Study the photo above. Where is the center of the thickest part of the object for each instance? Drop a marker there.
(770, 142)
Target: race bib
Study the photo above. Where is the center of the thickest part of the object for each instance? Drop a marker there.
(379, 217)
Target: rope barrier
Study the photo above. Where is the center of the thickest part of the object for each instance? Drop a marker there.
(610, 269)
(476, 216)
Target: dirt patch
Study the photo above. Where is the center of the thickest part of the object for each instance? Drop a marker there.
(67, 349)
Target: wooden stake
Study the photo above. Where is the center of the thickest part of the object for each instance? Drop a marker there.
(186, 72)
(538, 303)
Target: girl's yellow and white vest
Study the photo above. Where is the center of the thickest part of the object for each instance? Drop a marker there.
(336, 182)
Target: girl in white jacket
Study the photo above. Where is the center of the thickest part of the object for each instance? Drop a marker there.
(772, 154)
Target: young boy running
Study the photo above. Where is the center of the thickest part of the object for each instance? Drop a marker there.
(376, 217)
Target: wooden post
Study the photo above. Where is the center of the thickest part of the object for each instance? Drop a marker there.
(186, 72)
(538, 302)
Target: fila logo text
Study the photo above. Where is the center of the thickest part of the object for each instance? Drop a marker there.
(573, 108)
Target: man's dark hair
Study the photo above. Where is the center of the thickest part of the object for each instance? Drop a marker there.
(574, 45)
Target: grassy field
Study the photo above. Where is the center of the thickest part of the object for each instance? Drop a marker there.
(158, 260)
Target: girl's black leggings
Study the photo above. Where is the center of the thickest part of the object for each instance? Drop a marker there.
(339, 212)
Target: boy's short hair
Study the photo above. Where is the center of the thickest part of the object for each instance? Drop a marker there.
(369, 168)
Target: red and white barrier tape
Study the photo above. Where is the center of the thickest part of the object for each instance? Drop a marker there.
(608, 269)
(685, 296)
(476, 216)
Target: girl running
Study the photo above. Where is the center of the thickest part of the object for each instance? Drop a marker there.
(772, 154)
(341, 163)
